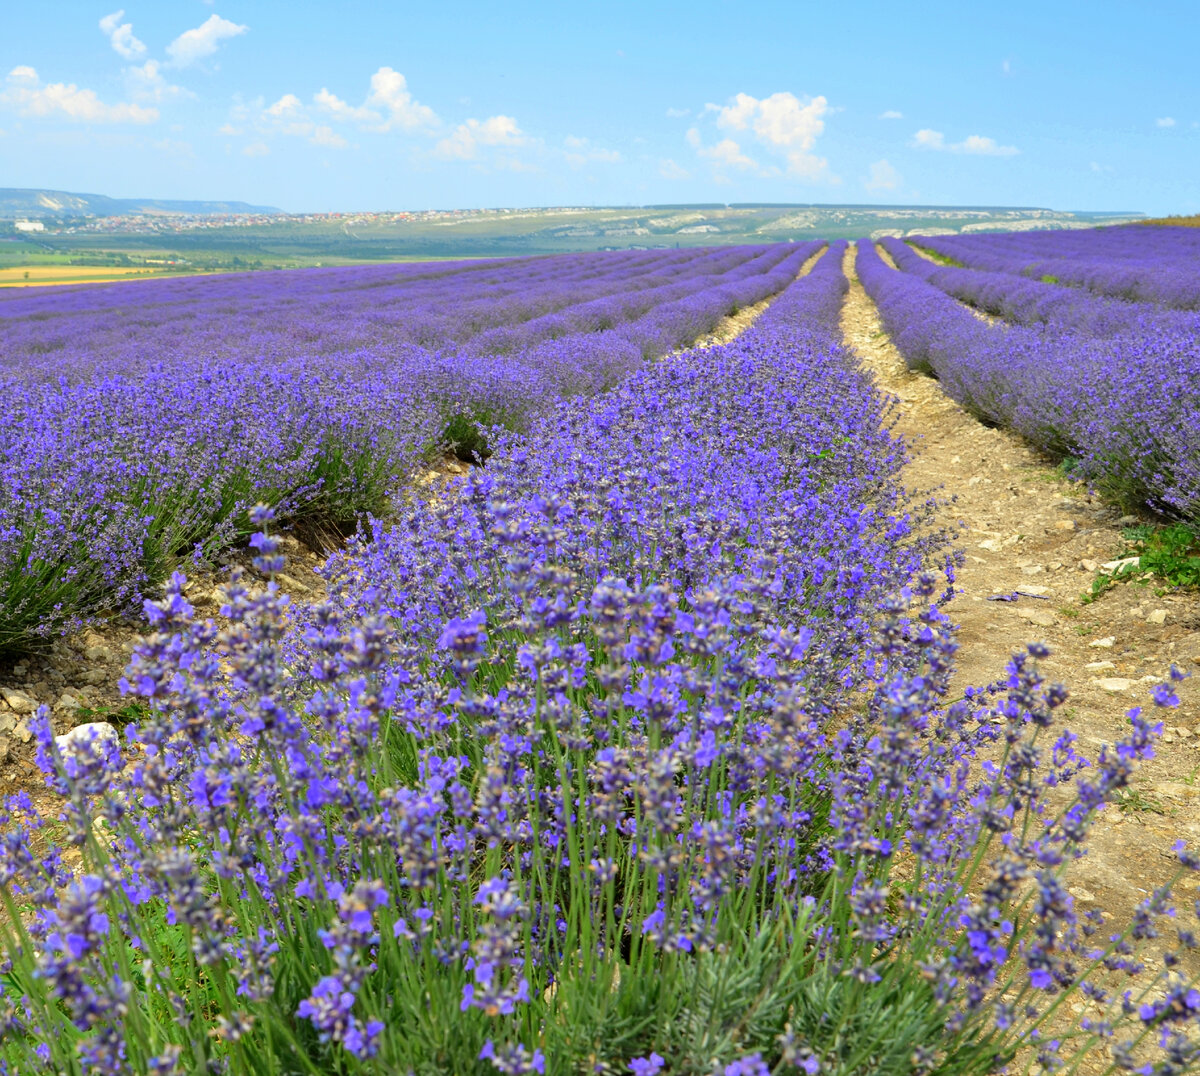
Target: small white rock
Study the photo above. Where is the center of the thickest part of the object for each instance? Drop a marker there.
(1156, 616)
(1103, 644)
(1099, 666)
(1043, 618)
(93, 731)
(1113, 683)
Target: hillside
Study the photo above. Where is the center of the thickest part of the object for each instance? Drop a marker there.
(35, 202)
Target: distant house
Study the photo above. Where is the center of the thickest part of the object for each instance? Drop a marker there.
(29, 226)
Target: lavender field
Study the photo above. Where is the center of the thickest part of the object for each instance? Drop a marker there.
(137, 429)
(1112, 384)
(635, 749)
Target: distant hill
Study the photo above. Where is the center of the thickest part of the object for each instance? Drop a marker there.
(27, 202)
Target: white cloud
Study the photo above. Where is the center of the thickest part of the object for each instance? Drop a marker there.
(669, 169)
(342, 110)
(1005, 67)
(256, 149)
(724, 154)
(193, 45)
(1165, 121)
(891, 114)
(678, 113)
(582, 151)
(146, 83)
(783, 122)
(389, 91)
(1097, 167)
(288, 105)
(26, 92)
(984, 147)
(327, 136)
(120, 36)
(975, 145)
(464, 141)
(388, 105)
(882, 177)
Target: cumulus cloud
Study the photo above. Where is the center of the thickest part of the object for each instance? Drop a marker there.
(927, 139)
(343, 111)
(464, 141)
(784, 123)
(389, 105)
(26, 92)
(288, 105)
(256, 149)
(146, 83)
(891, 114)
(196, 44)
(678, 113)
(976, 145)
(724, 154)
(120, 36)
(1165, 121)
(882, 176)
(389, 92)
(670, 169)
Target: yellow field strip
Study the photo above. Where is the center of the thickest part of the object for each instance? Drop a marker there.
(36, 276)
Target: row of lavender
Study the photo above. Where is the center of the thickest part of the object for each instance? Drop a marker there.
(1157, 265)
(1117, 390)
(139, 422)
(563, 778)
(1034, 302)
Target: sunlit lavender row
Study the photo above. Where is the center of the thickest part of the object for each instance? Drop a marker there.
(138, 423)
(1113, 387)
(1159, 265)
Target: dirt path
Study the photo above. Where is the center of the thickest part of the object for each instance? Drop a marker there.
(1026, 528)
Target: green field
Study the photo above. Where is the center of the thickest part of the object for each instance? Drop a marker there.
(287, 241)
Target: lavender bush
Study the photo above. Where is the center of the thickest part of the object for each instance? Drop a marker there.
(1124, 405)
(1035, 302)
(138, 424)
(633, 753)
(1156, 265)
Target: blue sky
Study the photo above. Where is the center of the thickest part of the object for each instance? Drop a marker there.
(317, 106)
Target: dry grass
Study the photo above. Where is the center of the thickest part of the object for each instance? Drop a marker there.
(36, 276)
(1186, 222)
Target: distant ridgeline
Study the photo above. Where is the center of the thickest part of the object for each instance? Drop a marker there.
(42, 204)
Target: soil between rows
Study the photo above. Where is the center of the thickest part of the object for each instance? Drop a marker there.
(1027, 528)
